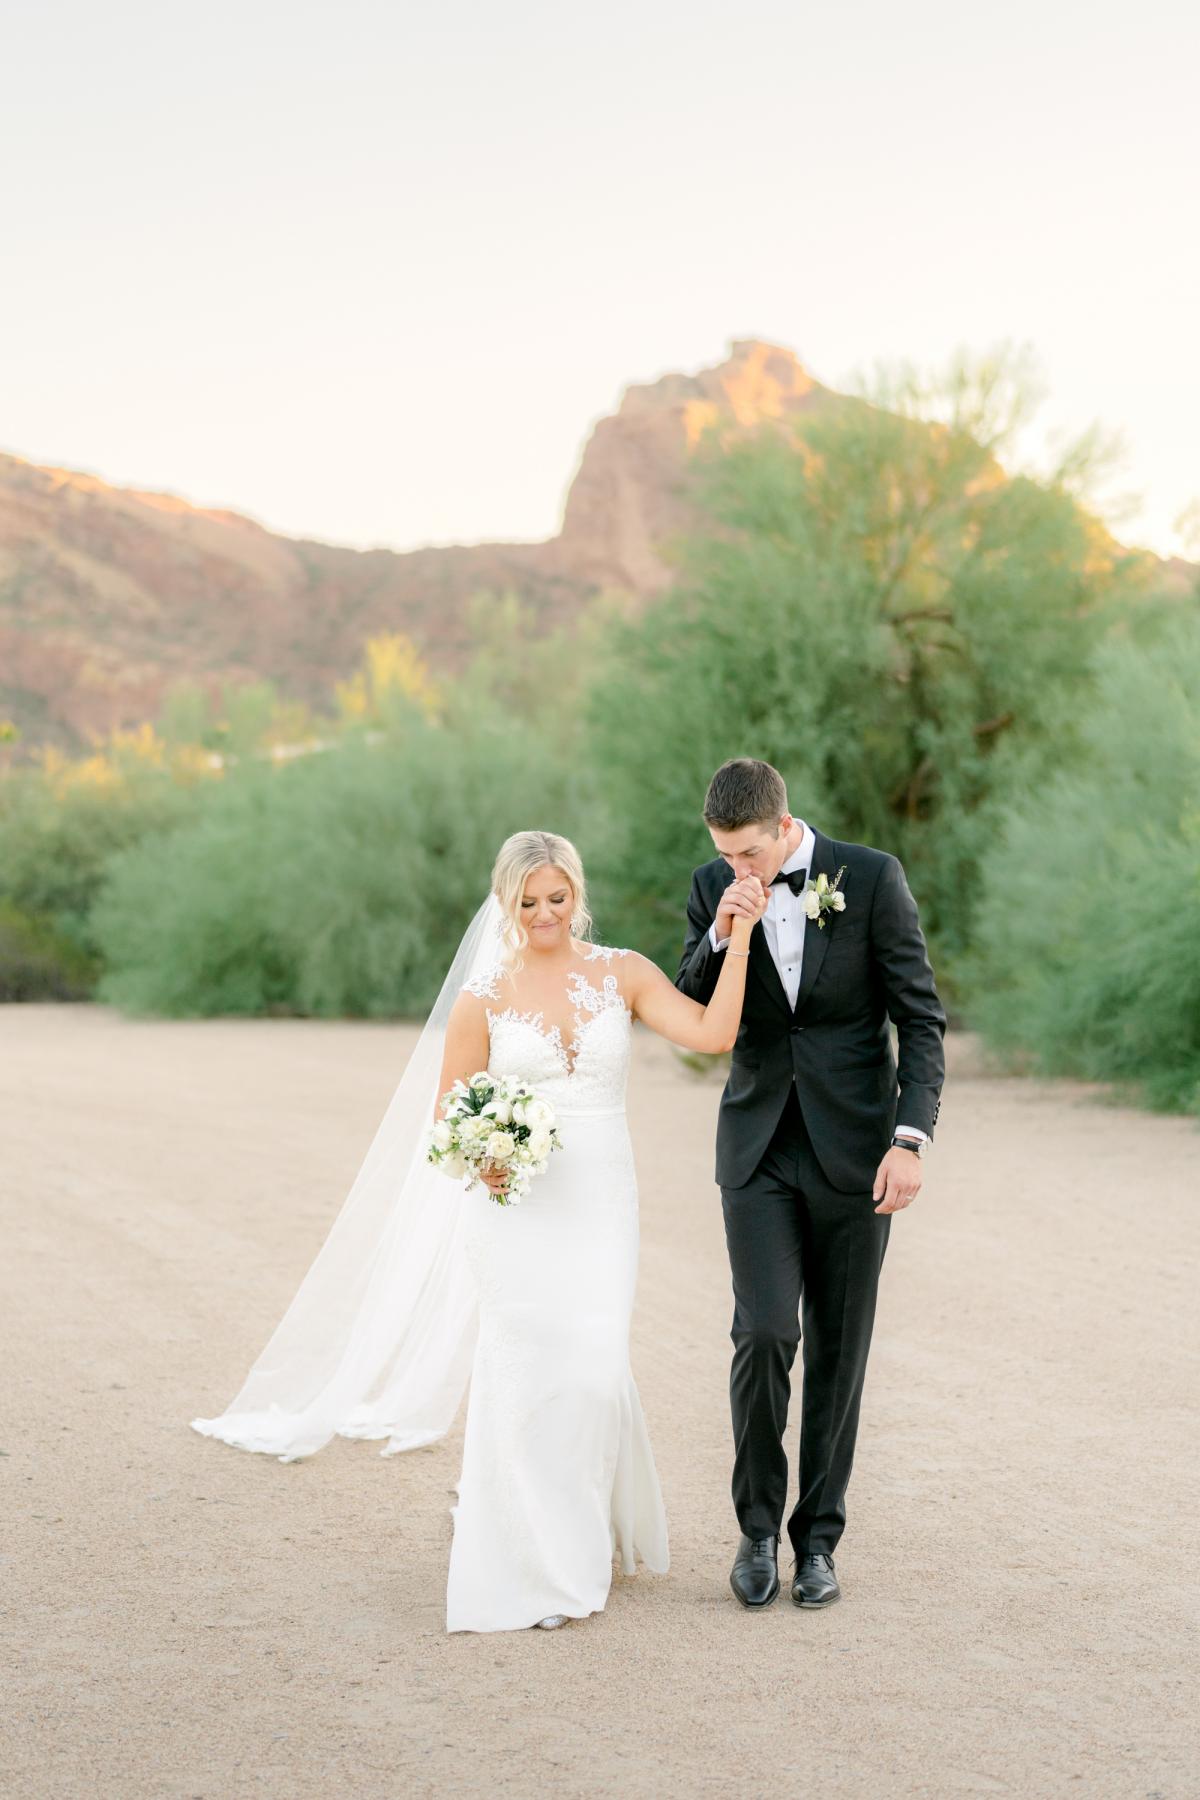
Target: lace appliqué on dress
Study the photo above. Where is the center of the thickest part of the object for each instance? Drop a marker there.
(588, 1003)
(586, 998)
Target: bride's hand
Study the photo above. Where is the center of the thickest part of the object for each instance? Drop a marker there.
(740, 897)
(712, 1028)
(744, 923)
(493, 1177)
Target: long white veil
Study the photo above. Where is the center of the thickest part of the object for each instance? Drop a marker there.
(379, 1339)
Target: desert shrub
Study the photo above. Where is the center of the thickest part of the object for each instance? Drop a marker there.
(257, 858)
(336, 883)
(1088, 953)
(37, 962)
(60, 823)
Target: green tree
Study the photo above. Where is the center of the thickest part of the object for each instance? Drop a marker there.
(882, 613)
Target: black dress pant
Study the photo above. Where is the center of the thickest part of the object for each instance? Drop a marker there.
(802, 1254)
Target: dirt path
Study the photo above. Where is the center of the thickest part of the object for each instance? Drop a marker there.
(183, 1620)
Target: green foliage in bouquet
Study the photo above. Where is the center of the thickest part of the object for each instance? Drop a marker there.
(1088, 952)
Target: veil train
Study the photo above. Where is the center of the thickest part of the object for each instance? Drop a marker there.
(379, 1339)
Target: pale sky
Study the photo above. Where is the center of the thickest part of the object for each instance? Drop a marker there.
(370, 271)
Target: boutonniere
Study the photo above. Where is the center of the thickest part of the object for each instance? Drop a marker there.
(822, 897)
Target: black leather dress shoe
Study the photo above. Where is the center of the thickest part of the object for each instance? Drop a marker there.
(754, 1577)
(814, 1583)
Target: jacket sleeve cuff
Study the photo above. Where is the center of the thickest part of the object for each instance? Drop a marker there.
(919, 1108)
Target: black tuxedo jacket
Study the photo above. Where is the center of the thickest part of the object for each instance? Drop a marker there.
(867, 965)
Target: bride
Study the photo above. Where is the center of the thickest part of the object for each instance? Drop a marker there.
(421, 1286)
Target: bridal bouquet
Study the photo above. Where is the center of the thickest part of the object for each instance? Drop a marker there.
(498, 1122)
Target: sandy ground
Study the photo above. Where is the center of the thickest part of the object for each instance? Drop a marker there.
(181, 1619)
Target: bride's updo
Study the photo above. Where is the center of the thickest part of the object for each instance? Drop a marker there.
(519, 856)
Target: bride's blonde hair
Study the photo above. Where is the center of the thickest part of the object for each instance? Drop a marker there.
(522, 854)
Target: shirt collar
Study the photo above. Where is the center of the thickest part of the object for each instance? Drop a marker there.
(801, 857)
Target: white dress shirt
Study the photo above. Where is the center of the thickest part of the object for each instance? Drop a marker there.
(783, 926)
(784, 920)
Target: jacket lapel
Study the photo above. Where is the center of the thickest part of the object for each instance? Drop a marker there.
(816, 938)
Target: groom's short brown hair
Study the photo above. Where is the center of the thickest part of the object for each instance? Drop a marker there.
(745, 792)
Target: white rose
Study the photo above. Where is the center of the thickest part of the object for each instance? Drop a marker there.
(443, 1137)
(519, 1113)
(499, 1110)
(454, 1166)
(538, 1115)
(810, 901)
(500, 1146)
(539, 1145)
(839, 903)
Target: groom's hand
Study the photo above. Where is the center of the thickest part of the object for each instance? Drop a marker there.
(897, 1182)
(745, 899)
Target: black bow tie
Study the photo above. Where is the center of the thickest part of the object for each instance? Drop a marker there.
(795, 879)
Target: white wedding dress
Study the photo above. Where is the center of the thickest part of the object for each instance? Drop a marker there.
(421, 1285)
(557, 1474)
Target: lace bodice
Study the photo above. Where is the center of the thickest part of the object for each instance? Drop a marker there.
(587, 1074)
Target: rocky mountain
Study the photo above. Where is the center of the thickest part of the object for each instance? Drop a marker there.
(109, 596)
(629, 497)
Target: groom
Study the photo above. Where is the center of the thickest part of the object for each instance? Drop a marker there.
(818, 1143)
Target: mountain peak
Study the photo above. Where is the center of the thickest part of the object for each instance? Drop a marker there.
(629, 496)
